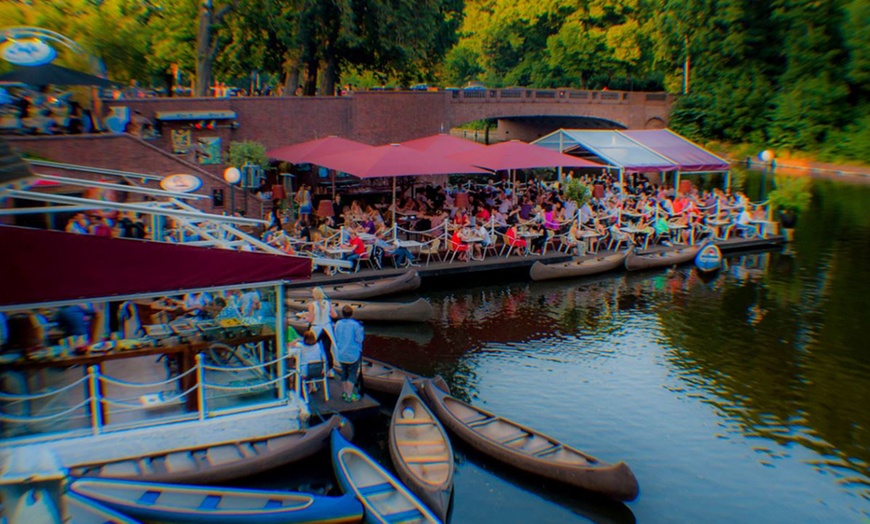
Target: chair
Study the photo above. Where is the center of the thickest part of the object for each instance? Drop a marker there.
(617, 237)
(367, 258)
(509, 246)
(432, 250)
(454, 248)
(316, 376)
(745, 230)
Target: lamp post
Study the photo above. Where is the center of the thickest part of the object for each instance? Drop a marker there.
(232, 175)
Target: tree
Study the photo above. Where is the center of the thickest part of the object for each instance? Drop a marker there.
(208, 42)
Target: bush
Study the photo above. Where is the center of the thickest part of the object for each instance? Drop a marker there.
(792, 194)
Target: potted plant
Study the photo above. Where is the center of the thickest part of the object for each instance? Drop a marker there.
(790, 198)
(578, 192)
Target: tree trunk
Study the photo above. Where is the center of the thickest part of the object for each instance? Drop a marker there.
(203, 45)
(291, 81)
(311, 78)
(329, 76)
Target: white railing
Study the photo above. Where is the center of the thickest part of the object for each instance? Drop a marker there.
(98, 407)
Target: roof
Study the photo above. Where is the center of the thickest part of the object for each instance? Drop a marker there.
(443, 144)
(637, 151)
(688, 156)
(515, 154)
(53, 266)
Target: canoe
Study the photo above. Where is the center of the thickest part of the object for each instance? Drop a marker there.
(577, 268)
(671, 257)
(404, 283)
(419, 310)
(151, 501)
(382, 377)
(219, 462)
(709, 259)
(421, 451)
(529, 450)
(385, 499)
(81, 510)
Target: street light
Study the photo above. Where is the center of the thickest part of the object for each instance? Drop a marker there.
(232, 175)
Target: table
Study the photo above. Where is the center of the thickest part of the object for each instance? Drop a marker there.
(676, 230)
(717, 226)
(528, 236)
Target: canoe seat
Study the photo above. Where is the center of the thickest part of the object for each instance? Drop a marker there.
(513, 439)
(273, 504)
(481, 422)
(149, 497)
(210, 502)
(426, 460)
(376, 489)
(411, 514)
(419, 442)
(413, 421)
(547, 451)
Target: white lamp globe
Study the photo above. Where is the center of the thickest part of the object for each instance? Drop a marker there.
(232, 175)
(767, 155)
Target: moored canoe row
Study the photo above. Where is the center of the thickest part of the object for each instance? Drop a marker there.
(578, 268)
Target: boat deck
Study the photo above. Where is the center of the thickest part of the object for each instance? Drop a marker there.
(364, 408)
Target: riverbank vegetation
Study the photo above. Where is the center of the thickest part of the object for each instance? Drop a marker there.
(790, 75)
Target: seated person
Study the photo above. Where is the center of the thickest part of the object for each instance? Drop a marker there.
(513, 238)
(456, 244)
(357, 246)
(401, 255)
(310, 354)
(75, 320)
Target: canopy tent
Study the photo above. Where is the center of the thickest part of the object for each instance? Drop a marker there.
(519, 155)
(443, 144)
(611, 147)
(690, 158)
(304, 152)
(52, 266)
(50, 74)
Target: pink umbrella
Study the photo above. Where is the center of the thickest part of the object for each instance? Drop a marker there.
(304, 152)
(519, 155)
(394, 160)
(444, 144)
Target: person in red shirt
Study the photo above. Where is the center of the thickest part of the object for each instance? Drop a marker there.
(456, 244)
(101, 228)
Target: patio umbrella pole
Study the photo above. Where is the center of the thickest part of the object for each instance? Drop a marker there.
(395, 214)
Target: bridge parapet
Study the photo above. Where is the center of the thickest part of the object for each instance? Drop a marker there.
(561, 95)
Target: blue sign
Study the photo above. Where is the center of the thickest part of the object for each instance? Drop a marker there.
(27, 52)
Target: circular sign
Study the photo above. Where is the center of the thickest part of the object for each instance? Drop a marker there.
(27, 52)
(181, 183)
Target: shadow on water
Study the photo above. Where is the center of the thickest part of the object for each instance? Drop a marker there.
(595, 509)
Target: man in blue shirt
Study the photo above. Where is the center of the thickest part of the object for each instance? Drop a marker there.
(349, 335)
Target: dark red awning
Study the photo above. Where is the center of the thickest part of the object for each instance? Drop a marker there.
(48, 266)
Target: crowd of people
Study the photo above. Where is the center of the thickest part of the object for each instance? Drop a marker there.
(471, 218)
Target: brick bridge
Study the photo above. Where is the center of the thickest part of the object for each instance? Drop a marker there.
(374, 117)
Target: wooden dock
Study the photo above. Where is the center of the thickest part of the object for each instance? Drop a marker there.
(364, 408)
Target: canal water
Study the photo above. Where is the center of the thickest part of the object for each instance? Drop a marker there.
(738, 398)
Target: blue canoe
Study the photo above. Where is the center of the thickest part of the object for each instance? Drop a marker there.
(81, 510)
(386, 500)
(709, 259)
(201, 504)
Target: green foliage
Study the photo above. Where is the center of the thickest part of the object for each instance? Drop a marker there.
(577, 191)
(247, 152)
(792, 194)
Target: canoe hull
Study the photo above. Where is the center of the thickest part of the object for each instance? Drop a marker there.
(680, 255)
(421, 451)
(81, 510)
(150, 501)
(529, 450)
(384, 378)
(404, 283)
(382, 495)
(219, 462)
(419, 310)
(577, 268)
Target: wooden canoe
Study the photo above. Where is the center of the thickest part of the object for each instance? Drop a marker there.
(362, 290)
(151, 501)
(220, 462)
(671, 257)
(529, 450)
(384, 378)
(81, 510)
(419, 310)
(578, 268)
(709, 259)
(421, 451)
(385, 499)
